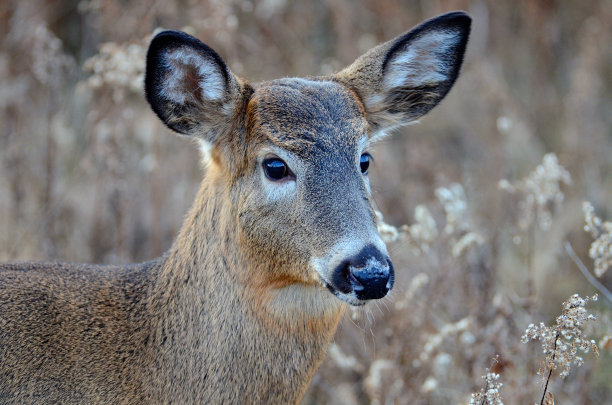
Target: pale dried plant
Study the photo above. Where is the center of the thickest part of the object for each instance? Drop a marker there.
(541, 192)
(383, 384)
(455, 206)
(459, 225)
(563, 342)
(441, 366)
(490, 394)
(465, 242)
(605, 343)
(388, 233)
(548, 399)
(118, 66)
(342, 360)
(419, 236)
(423, 232)
(601, 248)
(417, 283)
(433, 341)
(429, 385)
(49, 62)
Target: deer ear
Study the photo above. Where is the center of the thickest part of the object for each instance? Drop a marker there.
(189, 86)
(403, 79)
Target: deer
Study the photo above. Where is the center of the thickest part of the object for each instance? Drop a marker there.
(281, 239)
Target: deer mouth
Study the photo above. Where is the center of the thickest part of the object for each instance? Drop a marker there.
(350, 299)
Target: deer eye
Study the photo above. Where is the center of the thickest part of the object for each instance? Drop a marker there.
(275, 169)
(364, 162)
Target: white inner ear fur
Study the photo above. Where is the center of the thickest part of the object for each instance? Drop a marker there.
(422, 61)
(183, 61)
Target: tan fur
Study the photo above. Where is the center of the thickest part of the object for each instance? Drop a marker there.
(236, 311)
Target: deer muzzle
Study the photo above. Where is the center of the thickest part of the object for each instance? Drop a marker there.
(366, 276)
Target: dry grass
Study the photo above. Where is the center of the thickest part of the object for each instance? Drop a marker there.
(87, 173)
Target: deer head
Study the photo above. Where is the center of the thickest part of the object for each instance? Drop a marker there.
(291, 156)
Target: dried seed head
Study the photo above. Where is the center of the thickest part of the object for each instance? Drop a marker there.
(562, 342)
(601, 248)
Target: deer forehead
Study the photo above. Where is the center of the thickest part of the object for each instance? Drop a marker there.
(307, 116)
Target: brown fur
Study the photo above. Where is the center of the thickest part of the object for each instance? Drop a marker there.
(235, 312)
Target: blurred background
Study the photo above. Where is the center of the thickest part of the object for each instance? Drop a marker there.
(89, 174)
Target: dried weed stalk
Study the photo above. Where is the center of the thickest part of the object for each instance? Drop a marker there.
(421, 235)
(119, 67)
(540, 197)
(541, 191)
(561, 343)
(490, 394)
(601, 231)
(459, 225)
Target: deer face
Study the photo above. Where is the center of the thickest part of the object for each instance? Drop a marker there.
(295, 153)
(308, 144)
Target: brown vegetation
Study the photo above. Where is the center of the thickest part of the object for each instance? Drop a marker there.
(88, 173)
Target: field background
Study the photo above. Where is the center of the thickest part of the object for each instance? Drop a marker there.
(88, 173)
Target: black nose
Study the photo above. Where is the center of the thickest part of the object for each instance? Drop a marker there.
(369, 274)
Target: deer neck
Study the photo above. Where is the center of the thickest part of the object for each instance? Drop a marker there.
(210, 318)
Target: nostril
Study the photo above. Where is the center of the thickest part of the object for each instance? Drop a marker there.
(355, 283)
